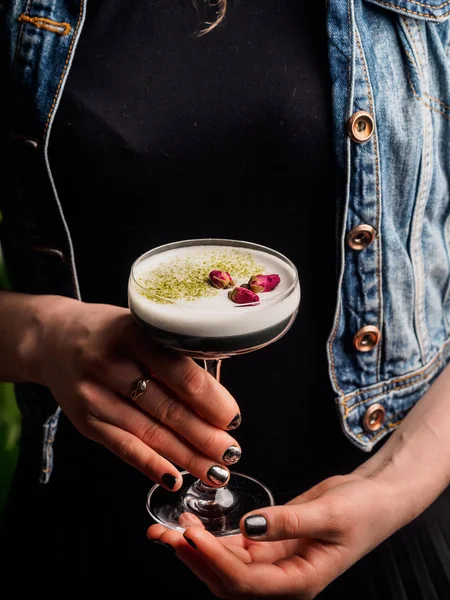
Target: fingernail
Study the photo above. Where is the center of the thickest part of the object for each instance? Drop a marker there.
(255, 525)
(232, 455)
(235, 422)
(218, 475)
(190, 542)
(164, 545)
(169, 480)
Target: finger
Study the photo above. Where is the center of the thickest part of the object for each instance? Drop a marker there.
(235, 543)
(120, 375)
(187, 519)
(190, 382)
(160, 403)
(154, 532)
(194, 561)
(239, 577)
(320, 519)
(124, 416)
(137, 454)
(215, 443)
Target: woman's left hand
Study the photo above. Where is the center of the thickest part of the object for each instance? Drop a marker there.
(301, 547)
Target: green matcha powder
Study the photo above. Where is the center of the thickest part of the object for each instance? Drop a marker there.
(188, 278)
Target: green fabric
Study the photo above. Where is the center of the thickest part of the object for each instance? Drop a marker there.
(9, 424)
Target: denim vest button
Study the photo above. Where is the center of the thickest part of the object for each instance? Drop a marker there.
(360, 237)
(374, 417)
(360, 126)
(366, 338)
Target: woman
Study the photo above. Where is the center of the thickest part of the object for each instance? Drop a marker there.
(317, 130)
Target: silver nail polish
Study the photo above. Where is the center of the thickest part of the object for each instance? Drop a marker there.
(232, 455)
(235, 422)
(218, 475)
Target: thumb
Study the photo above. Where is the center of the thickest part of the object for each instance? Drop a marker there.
(321, 519)
(187, 519)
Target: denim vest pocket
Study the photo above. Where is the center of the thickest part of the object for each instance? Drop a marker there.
(428, 10)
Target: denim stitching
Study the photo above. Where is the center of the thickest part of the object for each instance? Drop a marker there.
(50, 428)
(413, 63)
(447, 291)
(47, 467)
(420, 56)
(419, 98)
(61, 79)
(438, 7)
(417, 224)
(433, 109)
(419, 379)
(430, 366)
(420, 38)
(339, 302)
(61, 28)
(383, 431)
(413, 12)
(436, 100)
(378, 196)
(75, 283)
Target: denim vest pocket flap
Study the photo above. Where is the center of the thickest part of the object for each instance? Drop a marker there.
(428, 10)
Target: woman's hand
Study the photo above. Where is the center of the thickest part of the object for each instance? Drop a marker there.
(305, 545)
(296, 550)
(91, 356)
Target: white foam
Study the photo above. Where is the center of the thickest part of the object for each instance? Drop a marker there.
(216, 315)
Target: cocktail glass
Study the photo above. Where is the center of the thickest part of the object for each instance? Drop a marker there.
(193, 330)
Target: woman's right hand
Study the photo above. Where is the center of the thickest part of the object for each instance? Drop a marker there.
(91, 356)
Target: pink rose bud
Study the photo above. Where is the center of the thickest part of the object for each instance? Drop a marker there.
(220, 279)
(242, 295)
(263, 283)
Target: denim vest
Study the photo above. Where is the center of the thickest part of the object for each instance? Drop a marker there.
(390, 71)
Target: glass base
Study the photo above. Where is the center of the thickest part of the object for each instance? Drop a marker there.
(224, 508)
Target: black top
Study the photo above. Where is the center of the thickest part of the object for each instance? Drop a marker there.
(162, 135)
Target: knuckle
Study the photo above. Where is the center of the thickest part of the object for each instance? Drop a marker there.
(153, 436)
(174, 413)
(210, 443)
(170, 411)
(82, 390)
(125, 449)
(192, 464)
(95, 363)
(290, 524)
(195, 382)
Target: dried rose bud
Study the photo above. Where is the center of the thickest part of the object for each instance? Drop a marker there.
(241, 295)
(263, 283)
(220, 279)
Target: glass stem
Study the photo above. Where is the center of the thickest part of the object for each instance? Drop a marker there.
(213, 367)
(205, 501)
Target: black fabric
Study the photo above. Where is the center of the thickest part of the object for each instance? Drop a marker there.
(162, 136)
